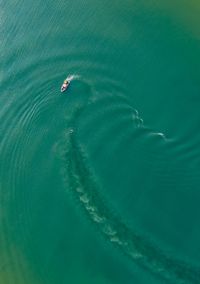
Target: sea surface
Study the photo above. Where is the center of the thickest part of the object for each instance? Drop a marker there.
(100, 184)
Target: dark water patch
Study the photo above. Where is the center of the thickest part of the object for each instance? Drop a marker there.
(134, 246)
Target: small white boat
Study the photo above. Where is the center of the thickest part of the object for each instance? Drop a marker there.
(65, 85)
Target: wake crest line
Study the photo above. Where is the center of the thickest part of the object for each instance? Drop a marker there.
(84, 187)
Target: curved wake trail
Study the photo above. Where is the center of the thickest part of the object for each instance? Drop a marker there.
(82, 183)
(144, 253)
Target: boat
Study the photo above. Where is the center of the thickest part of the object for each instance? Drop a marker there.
(65, 85)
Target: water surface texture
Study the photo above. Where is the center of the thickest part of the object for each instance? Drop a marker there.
(101, 184)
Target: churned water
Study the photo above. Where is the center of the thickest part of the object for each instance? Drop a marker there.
(100, 184)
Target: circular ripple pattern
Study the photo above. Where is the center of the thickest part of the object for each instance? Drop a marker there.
(138, 186)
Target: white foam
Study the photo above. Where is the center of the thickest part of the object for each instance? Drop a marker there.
(72, 77)
(159, 134)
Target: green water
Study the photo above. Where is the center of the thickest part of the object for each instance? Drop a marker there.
(99, 184)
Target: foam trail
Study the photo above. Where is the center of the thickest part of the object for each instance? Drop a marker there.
(72, 77)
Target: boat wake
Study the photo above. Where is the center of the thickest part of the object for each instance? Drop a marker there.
(81, 181)
(72, 77)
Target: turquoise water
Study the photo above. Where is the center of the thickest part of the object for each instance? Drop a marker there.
(99, 184)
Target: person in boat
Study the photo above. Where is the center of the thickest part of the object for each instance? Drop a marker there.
(65, 84)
